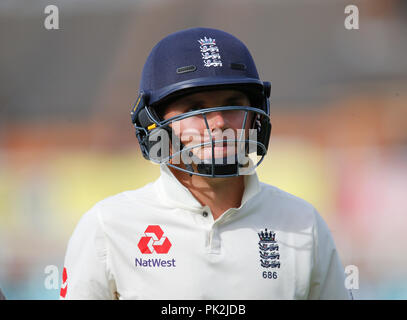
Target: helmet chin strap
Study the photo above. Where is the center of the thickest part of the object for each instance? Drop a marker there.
(219, 169)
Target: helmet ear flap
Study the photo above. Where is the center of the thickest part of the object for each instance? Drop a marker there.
(264, 126)
(143, 118)
(145, 121)
(140, 115)
(263, 135)
(141, 102)
(267, 88)
(266, 94)
(143, 142)
(140, 120)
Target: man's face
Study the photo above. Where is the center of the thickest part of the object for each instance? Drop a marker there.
(223, 125)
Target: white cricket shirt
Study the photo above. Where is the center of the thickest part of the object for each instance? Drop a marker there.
(159, 242)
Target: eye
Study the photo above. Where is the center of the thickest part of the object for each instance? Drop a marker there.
(194, 108)
(237, 102)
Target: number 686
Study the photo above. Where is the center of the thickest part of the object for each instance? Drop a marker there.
(269, 275)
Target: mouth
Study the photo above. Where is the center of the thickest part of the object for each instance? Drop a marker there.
(220, 143)
(221, 149)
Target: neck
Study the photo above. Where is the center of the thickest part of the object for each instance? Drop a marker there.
(219, 194)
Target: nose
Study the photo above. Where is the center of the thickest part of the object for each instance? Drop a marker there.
(216, 120)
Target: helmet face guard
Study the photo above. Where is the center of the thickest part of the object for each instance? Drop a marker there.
(245, 148)
(174, 69)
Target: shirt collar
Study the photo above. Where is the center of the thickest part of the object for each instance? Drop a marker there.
(176, 194)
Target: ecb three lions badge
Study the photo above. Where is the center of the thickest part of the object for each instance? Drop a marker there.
(210, 52)
(269, 254)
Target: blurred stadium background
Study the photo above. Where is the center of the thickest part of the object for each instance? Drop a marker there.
(339, 114)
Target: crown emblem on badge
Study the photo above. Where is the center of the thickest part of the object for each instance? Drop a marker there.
(267, 236)
(207, 41)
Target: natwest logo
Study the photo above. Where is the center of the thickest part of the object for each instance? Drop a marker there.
(153, 241)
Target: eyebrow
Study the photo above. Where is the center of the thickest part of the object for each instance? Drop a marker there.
(236, 96)
(193, 101)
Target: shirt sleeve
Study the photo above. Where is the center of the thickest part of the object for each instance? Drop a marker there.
(328, 275)
(86, 275)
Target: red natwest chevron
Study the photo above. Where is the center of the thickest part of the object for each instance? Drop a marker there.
(153, 240)
(64, 286)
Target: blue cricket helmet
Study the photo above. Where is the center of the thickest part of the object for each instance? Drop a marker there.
(193, 60)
